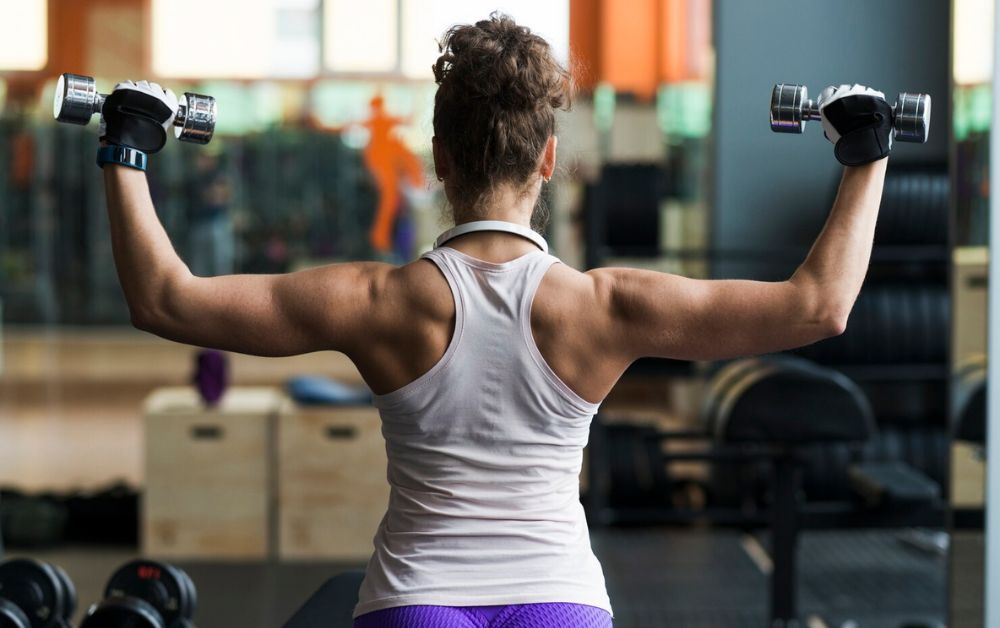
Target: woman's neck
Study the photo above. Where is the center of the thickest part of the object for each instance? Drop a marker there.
(507, 205)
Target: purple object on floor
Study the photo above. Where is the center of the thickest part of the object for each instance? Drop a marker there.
(211, 375)
(512, 616)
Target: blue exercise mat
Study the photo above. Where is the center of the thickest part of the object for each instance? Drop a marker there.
(314, 390)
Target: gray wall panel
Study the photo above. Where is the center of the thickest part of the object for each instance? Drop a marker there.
(771, 190)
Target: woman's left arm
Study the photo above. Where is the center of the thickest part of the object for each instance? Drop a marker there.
(271, 315)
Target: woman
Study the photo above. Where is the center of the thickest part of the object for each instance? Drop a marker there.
(487, 356)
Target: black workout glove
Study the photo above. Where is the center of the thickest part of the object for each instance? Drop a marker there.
(858, 120)
(138, 115)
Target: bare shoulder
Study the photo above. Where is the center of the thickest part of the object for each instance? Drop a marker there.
(584, 294)
(417, 288)
(573, 326)
(407, 301)
(409, 326)
(563, 284)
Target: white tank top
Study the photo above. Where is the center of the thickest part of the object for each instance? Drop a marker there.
(484, 452)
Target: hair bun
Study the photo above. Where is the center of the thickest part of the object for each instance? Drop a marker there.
(500, 62)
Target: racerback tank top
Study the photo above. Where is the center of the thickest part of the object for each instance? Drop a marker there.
(484, 457)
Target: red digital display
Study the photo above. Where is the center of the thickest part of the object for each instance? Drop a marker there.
(148, 572)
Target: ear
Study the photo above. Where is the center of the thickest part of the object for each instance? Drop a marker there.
(548, 165)
(441, 169)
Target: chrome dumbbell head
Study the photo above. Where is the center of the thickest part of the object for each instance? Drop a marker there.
(791, 109)
(195, 120)
(790, 105)
(912, 117)
(76, 100)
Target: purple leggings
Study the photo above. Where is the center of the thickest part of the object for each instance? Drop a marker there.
(512, 616)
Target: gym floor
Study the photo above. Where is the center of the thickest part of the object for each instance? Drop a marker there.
(656, 578)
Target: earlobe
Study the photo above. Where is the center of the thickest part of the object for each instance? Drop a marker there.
(549, 159)
(440, 159)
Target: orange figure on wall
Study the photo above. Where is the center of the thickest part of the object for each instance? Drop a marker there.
(388, 159)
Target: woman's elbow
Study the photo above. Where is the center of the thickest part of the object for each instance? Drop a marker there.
(154, 309)
(146, 319)
(833, 325)
(153, 315)
(824, 313)
(832, 320)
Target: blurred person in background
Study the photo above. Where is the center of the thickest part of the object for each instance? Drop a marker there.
(210, 225)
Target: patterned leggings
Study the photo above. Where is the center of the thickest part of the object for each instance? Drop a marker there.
(551, 615)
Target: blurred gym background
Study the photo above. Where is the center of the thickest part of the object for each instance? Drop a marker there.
(841, 484)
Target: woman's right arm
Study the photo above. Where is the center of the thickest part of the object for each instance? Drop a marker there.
(663, 315)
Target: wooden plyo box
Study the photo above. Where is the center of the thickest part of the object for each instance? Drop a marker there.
(332, 487)
(209, 474)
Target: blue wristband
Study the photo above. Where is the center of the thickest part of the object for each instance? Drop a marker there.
(123, 155)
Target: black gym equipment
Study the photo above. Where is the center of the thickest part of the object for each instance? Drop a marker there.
(35, 594)
(145, 594)
(783, 403)
(621, 211)
(784, 407)
(332, 605)
(914, 209)
(740, 406)
(768, 422)
(637, 475)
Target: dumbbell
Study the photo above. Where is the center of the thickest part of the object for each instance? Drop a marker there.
(76, 100)
(145, 594)
(35, 594)
(791, 108)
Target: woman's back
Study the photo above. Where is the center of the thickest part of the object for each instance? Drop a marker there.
(484, 449)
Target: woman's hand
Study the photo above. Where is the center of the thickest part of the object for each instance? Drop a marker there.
(138, 115)
(858, 121)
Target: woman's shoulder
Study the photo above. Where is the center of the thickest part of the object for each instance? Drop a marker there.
(419, 288)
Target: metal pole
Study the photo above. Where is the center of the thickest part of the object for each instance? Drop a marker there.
(991, 589)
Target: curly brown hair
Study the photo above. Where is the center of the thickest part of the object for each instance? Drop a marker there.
(499, 87)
